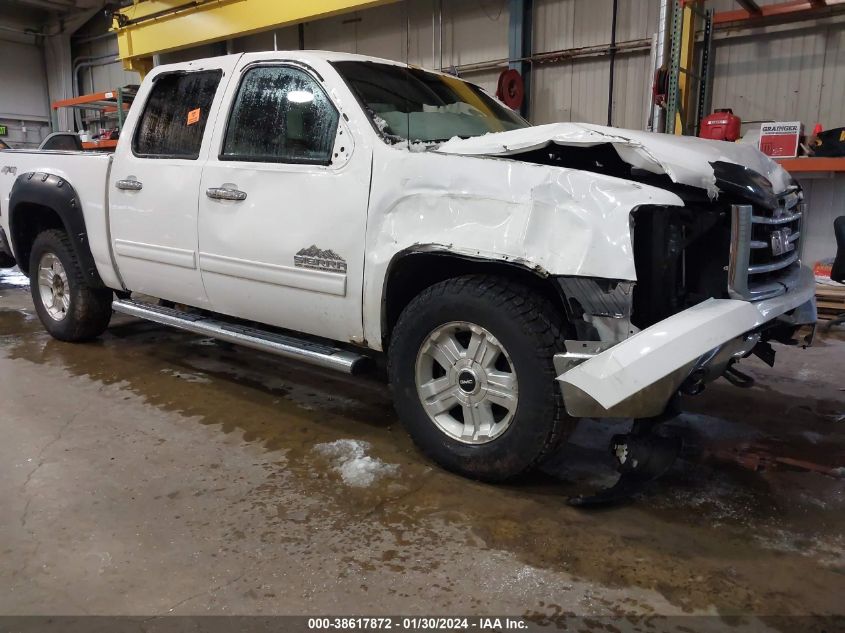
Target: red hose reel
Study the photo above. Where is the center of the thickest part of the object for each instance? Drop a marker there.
(511, 89)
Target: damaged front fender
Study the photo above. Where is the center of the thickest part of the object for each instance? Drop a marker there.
(560, 221)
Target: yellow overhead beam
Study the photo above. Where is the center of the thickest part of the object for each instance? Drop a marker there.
(150, 27)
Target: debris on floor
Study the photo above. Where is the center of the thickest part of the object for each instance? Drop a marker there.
(355, 467)
(769, 455)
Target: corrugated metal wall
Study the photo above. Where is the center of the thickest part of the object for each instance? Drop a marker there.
(24, 107)
(826, 201)
(472, 32)
(781, 73)
(106, 72)
(784, 72)
(577, 90)
(774, 73)
(24, 96)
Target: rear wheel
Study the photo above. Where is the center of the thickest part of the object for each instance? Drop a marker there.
(473, 380)
(67, 306)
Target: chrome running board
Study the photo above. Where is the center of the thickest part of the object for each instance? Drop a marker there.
(319, 354)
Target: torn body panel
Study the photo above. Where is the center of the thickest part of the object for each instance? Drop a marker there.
(685, 160)
(549, 219)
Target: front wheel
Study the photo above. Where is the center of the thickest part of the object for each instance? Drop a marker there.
(470, 363)
(67, 306)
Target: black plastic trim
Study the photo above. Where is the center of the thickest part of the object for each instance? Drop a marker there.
(744, 184)
(439, 250)
(58, 195)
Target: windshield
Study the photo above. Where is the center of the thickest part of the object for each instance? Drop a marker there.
(410, 104)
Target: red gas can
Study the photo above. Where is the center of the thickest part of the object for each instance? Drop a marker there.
(722, 125)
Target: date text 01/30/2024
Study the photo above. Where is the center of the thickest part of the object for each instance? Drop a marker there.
(419, 623)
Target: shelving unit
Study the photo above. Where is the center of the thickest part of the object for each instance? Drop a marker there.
(108, 104)
(812, 165)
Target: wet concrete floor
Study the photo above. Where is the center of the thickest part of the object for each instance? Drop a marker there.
(157, 472)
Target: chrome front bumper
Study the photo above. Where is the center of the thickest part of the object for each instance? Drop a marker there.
(636, 377)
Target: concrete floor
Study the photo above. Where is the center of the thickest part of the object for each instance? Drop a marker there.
(155, 472)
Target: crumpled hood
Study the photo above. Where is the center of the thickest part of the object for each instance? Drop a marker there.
(686, 160)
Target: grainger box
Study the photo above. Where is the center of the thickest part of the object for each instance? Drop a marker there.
(780, 139)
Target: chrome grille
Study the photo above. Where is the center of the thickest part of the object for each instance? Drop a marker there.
(765, 248)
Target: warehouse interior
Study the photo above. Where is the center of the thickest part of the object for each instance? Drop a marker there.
(153, 473)
(567, 51)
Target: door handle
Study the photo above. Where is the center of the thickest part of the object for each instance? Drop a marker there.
(130, 184)
(224, 193)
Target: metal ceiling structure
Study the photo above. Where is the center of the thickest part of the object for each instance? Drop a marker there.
(33, 18)
(151, 27)
(54, 7)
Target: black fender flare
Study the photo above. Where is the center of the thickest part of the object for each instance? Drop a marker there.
(57, 194)
(441, 250)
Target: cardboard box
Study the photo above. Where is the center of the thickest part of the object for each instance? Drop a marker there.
(781, 139)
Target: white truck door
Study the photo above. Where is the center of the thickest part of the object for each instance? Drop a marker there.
(283, 206)
(155, 180)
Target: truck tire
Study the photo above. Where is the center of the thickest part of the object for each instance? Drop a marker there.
(68, 307)
(471, 370)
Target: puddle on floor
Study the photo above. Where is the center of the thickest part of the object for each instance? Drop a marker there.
(705, 537)
(13, 278)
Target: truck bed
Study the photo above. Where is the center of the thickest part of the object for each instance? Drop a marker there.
(89, 172)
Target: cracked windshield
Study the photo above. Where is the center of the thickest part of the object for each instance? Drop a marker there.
(409, 104)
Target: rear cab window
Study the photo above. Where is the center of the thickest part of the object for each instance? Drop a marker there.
(174, 117)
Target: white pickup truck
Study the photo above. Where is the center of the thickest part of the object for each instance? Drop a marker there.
(330, 207)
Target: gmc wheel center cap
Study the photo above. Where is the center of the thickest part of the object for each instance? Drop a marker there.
(467, 381)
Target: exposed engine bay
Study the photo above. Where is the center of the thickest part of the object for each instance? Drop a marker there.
(681, 254)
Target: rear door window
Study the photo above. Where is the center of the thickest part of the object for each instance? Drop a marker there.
(174, 117)
(280, 115)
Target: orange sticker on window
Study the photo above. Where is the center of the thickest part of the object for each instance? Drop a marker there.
(194, 116)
